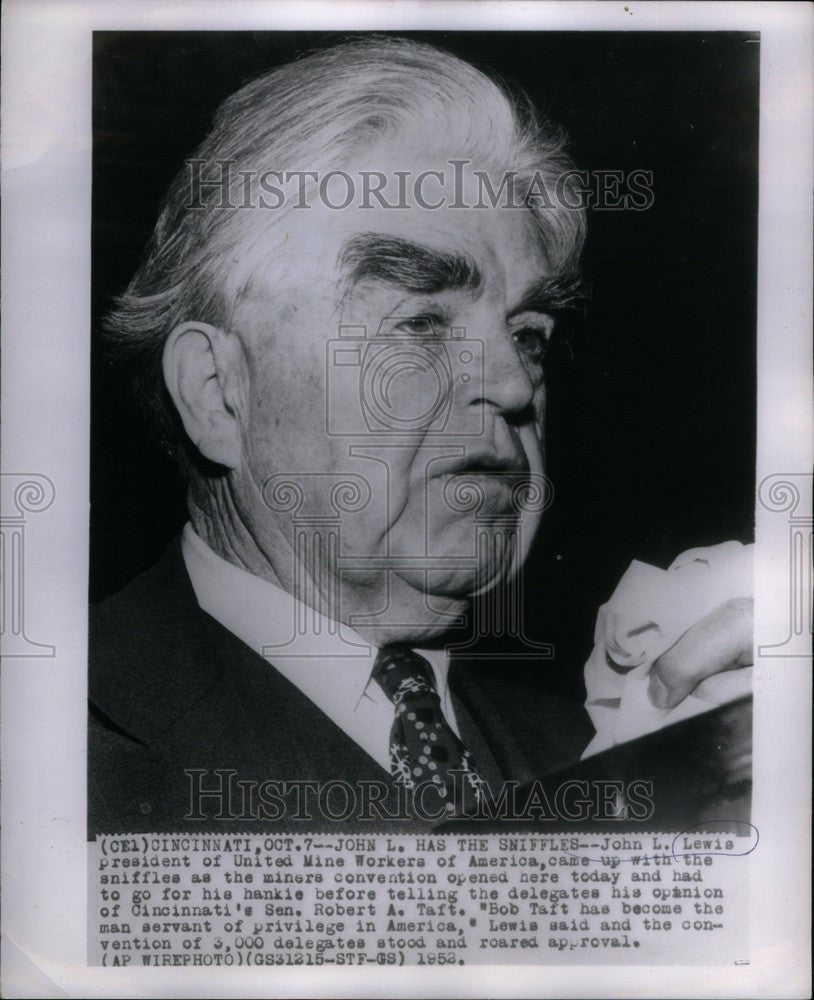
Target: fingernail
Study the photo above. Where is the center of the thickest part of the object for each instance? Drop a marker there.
(658, 692)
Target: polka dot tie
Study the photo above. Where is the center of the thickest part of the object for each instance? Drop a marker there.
(424, 751)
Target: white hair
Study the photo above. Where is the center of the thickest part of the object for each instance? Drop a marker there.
(317, 113)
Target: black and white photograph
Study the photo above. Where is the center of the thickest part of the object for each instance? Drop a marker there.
(362, 536)
(442, 536)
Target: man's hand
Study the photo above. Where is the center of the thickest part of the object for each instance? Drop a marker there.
(720, 641)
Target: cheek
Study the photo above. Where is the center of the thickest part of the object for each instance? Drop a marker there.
(539, 404)
(286, 395)
(532, 434)
(387, 472)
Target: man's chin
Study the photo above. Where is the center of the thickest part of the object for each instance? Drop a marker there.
(458, 585)
(461, 561)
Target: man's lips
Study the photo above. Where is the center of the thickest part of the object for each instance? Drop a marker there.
(515, 466)
(494, 478)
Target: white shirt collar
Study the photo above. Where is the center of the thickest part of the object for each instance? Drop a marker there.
(329, 662)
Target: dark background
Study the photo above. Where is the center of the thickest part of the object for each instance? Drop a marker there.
(651, 426)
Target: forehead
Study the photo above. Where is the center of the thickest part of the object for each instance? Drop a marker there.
(503, 243)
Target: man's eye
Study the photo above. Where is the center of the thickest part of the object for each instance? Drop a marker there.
(531, 342)
(420, 326)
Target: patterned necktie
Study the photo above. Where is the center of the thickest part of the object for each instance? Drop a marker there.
(423, 747)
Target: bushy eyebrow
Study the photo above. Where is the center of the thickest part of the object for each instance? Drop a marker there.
(412, 266)
(554, 293)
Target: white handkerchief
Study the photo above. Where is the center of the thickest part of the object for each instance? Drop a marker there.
(648, 612)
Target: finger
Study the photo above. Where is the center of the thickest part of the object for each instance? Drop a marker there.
(720, 641)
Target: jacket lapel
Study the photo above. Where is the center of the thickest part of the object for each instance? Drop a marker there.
(530, 731)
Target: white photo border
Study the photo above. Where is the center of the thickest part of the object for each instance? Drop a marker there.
(47, 146)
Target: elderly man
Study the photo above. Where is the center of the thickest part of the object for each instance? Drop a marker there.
(340, 331)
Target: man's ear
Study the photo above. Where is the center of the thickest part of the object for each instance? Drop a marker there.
(203, 371)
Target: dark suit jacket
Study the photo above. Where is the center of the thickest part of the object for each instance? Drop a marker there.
(172, 690)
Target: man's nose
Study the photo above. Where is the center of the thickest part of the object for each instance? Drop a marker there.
(506, 384)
